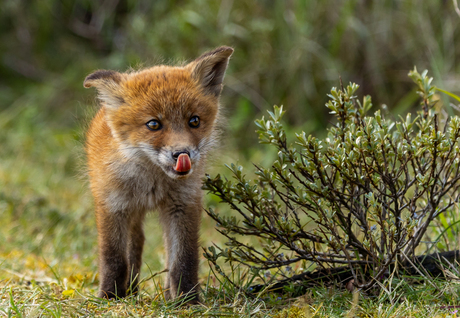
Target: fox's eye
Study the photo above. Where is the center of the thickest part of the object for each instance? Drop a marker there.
(194, 122)
(153, 124)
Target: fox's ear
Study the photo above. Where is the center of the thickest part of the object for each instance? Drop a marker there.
(209, 69)
(107, 84)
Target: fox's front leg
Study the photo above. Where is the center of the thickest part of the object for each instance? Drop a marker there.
(113, 262)
(136, 244)
(181, 223)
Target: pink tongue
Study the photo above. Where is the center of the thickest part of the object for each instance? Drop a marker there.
(183, 163)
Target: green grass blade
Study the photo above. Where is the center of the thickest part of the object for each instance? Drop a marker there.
(449, 94)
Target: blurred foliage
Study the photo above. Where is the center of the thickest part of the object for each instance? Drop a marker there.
(287, 52)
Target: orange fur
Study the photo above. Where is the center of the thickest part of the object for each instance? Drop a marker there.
(131, 167)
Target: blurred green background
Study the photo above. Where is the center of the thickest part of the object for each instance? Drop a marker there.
(286, 53)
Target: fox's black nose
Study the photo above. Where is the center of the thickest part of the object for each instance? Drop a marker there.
(177, 154)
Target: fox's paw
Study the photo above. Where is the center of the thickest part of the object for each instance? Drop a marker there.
(188, 299)
(107, 294)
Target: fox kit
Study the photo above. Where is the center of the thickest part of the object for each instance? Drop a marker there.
(146, 150)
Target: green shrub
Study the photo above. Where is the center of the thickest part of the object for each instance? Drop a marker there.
(364, 196)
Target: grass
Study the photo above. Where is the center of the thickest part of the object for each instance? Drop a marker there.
(48, 252)
(73, 297)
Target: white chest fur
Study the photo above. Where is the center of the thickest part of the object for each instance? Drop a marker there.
(143, 186)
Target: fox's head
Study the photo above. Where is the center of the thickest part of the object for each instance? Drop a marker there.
(167, 113)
